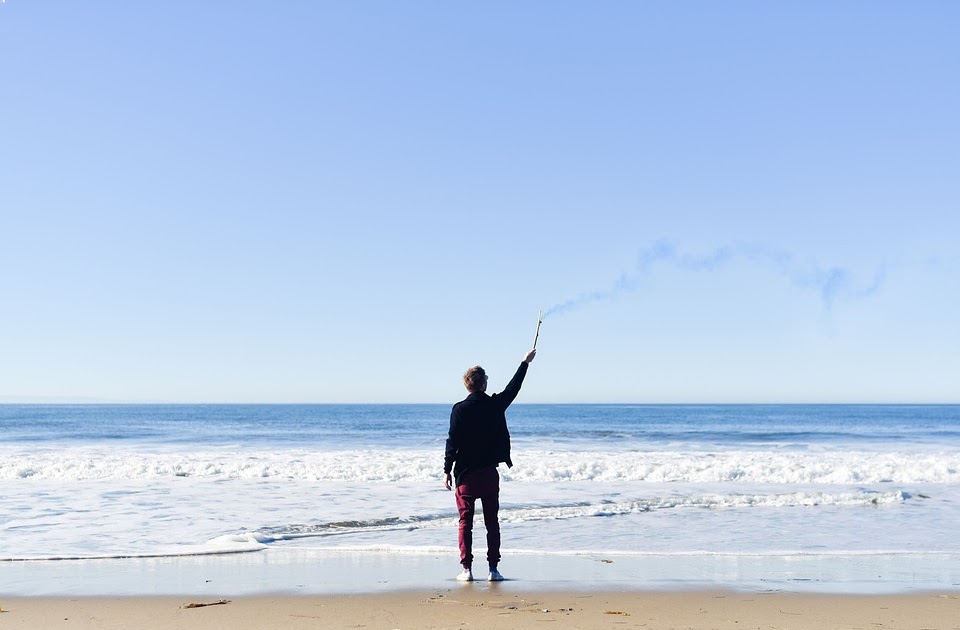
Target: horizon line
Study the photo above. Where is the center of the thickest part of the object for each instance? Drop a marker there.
(94, 402)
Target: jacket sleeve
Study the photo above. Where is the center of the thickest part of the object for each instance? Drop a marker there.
(504, 445)
(508, 395)
(450, 452)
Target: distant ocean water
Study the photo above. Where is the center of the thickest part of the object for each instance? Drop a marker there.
(115, 481)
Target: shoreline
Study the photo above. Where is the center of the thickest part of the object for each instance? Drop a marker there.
(492, 606)
(332, 572)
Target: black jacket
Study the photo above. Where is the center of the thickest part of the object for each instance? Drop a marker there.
(478, 429)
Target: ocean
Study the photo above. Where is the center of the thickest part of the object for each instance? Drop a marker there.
(862, 485)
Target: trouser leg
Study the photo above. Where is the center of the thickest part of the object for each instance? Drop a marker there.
(466, 505)
(490, 502)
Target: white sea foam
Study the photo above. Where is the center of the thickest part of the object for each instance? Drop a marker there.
(800, 467)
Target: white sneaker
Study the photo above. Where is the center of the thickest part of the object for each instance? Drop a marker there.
(494, 575)
(466, 576)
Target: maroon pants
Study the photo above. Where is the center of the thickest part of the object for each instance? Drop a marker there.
(483, 484)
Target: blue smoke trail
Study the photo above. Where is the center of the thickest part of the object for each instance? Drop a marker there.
(833, 284)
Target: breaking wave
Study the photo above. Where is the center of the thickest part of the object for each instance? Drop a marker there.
(847, 467)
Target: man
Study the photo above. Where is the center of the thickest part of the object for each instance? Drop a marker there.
(478, 441)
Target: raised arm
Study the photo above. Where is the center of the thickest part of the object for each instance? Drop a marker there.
(510, 392)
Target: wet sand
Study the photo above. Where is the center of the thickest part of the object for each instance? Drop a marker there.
(487, 606)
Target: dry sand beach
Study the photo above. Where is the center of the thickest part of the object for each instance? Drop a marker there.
(483, 606)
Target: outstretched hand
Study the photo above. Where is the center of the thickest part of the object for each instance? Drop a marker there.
(530, 355)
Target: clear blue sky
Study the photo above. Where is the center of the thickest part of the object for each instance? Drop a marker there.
(355, 201)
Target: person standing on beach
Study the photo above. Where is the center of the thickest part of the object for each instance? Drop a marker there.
(476, 444)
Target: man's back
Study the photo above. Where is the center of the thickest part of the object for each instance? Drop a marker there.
(478, 434)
